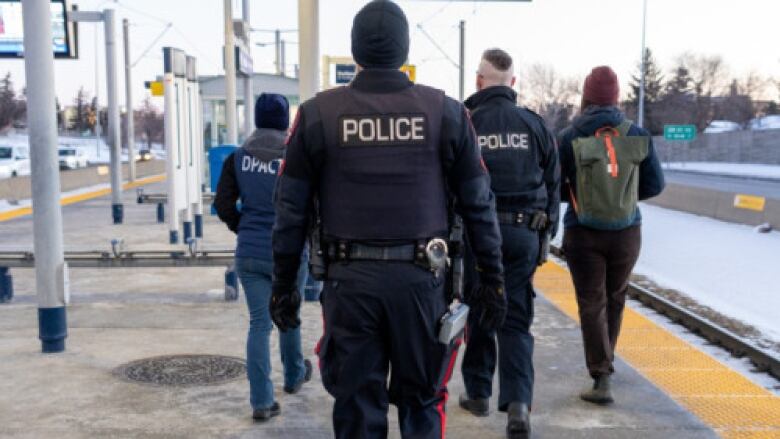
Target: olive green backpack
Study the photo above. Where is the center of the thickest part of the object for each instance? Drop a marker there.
(608, 177)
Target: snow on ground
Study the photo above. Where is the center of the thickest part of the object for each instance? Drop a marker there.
(97, 151)
(728, 267)
(735, 169)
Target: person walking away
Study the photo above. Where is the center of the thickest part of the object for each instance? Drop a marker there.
(608, 165)
(380, 159)
(522, 159)
(249, 175)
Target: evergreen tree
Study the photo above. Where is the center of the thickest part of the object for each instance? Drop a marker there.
(81, 119)
(654, 82)
(677, 105)
(11, 108)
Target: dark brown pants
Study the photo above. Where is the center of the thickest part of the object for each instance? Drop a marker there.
(600, 263)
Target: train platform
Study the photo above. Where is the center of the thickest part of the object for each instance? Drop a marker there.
(664, 386)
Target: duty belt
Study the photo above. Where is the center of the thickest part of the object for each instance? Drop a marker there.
(351, 251)
(535, 221)
(513, 218)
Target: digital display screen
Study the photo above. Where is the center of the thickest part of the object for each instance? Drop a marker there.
(12, 33)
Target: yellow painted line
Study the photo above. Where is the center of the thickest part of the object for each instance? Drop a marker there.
(71, 199)
(722, 398)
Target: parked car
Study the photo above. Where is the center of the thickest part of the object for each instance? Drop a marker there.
(722, 126)
(14, 161)
(765, 123)
(72, 158)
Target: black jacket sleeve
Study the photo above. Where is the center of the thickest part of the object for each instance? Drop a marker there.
(227, 195)
(566, 157)
(295, 190)
(552, 178)
(469, 182)
(651, 175)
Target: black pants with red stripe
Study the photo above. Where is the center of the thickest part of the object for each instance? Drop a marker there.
(382, 318)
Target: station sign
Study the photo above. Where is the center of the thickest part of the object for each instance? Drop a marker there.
(345, 73)
(411, 71)
(683, 133)
(64, 33)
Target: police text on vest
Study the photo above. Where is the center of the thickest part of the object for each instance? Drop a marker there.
(503, 140)
(382, 130)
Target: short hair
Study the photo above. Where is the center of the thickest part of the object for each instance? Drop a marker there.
(498, 58)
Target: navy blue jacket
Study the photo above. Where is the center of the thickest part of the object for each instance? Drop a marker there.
(651, 176)
(249, 174)
(520, 153)
(466, 179)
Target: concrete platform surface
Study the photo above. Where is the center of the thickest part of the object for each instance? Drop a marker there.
(118, 316)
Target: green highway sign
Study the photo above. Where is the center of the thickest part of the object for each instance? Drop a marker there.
(685, 133)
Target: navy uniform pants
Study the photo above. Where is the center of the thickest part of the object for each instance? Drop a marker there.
(382, 318)
(520, 250)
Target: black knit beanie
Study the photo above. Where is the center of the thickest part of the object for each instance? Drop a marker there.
(380, 36)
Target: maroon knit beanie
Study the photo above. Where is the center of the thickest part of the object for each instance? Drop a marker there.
(601, 87)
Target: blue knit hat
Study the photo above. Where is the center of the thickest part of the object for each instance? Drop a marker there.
(272, 111)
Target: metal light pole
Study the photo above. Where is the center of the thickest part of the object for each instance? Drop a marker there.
(308, 48)
(462, 62)
(114, 134)
(278, 45)
(641, 110)
(130, 123)
(50, 268)
(230, 76)
(249, 95)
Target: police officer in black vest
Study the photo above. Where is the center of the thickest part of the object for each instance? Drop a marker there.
(377, 162)
(522, 158)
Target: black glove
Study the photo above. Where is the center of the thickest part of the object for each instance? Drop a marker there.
(491, 303)
(285, 305)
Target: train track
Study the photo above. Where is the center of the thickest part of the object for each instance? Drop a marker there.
(762, 359)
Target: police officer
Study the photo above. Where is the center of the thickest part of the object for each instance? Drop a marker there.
(378, 161)
(521, 156)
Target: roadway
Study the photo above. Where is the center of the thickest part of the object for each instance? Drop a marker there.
(723, 183)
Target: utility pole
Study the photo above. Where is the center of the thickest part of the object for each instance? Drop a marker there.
(641, 110)
(130, 123)
(462, 61)
(249, 95)
(50, 268)
(278, 45)
(284, 58)
(230, 76)
(308, 48)
(114, 134)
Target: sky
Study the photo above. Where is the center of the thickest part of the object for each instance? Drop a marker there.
(570, 35)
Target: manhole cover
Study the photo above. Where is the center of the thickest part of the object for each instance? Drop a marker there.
(183, 370)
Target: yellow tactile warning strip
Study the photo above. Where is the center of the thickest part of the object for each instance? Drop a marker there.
(732, 405)
(64, 201)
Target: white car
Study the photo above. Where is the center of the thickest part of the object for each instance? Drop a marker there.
(72, 158)
(722, 126)
(14, 161)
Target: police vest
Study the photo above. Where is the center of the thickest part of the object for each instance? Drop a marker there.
(383, 176)
(256, 178)
(511, 151)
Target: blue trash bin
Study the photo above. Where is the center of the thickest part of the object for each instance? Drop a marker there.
(217, 156)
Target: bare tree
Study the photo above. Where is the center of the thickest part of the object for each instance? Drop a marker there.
(149, 124)
(709, 78)
(551, 95)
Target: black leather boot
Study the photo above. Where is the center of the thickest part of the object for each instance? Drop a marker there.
(518, 425)
(477, 407)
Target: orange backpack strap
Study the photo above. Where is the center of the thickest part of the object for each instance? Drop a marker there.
(607, 133)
